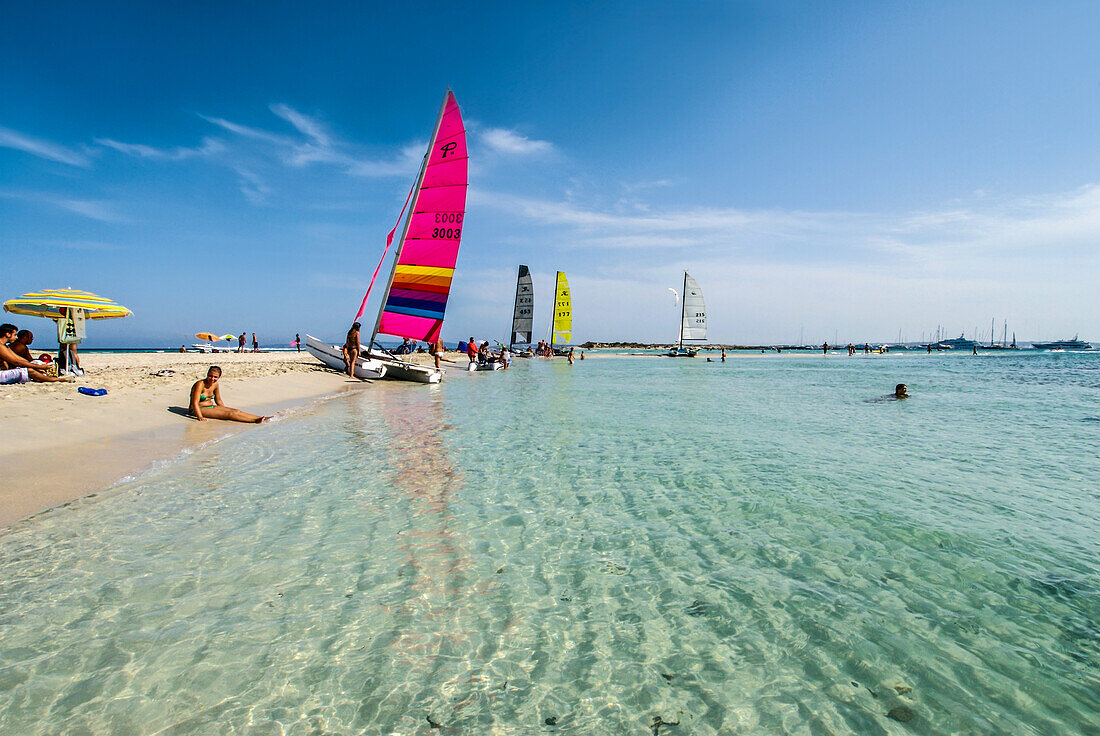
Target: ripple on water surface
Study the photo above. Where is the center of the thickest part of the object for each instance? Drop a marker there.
(628, 546)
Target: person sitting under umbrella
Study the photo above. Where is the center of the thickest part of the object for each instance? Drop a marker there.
(16, 369)
(22, 344)
(206, 401)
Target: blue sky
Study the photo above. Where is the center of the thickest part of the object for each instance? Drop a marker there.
(856, 169)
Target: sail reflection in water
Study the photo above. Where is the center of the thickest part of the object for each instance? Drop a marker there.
(436, 627)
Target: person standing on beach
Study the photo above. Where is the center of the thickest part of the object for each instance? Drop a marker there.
(352, 348)
(14, 368)
(825, 348)
(570, 356)
(298, 342)
(471, 350)
(723, 355)
(206, 401)
(437, 352)
(240, 343)
(255, 343)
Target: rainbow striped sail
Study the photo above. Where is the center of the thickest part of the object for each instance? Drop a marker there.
(416, 299)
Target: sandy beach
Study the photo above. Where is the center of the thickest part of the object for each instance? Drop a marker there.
(60, 444)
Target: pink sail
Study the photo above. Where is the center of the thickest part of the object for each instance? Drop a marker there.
(416, 299)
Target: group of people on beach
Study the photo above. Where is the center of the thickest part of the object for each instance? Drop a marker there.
(255, 343)
(482, 355)
(18, 365)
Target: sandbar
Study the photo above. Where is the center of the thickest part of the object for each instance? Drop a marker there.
(58, 444)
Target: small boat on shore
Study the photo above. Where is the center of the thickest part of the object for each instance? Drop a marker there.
(693, 319)
(522, 313)
(333, 357)
(419, 283)
(561, 322)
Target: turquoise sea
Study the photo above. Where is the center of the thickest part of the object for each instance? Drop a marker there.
(633, 545)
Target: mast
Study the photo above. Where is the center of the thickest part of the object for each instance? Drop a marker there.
(683, 308)
(992, 329)
(554, 313)
(408, 220)
(515, 306)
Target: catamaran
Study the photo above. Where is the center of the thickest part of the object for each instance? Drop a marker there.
(333, 356)
(523, 312)
(423, 265)
(693, 319)
(561, 323)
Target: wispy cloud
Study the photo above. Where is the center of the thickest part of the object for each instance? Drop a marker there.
(95, 210)
(314, 144)
(1056, 222)
(507, 141)
(254, 189)
(249, 132)
(208, 147)
(85, 245)
(306, 125)
(90, 208)
(42, 148)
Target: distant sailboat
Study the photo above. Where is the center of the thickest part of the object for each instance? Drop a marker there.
(420, 280)
(561, 323)
(693, 319)
(524, 309)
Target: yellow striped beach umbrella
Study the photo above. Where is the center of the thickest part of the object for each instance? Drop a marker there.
(51, 303)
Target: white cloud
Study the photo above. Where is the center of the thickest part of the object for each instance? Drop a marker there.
(503, 140)
(42, 148)
(303, 123)
(247, 132)
(1061, 222)
(318, 146)
(254, 189)
(91, 209)
(768, 273)
(209, 147)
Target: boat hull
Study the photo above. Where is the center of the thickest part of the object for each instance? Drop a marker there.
(493, 366)
(366, 368)
(399, 370)
(1074, 344)
(682, 353)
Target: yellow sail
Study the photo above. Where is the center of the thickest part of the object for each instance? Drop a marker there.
(563, 312)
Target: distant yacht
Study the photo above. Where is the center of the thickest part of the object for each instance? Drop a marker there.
(958, 343)
(1073, 344)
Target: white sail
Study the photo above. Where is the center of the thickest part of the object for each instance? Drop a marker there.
(525, 305)
(695, 311)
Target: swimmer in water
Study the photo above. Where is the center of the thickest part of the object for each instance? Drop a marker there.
(901, 391)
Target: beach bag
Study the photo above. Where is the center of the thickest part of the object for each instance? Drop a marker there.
(70, 328)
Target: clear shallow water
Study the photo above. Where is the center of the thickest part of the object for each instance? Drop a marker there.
(744, 548)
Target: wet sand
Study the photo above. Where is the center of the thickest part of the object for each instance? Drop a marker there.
(59, 444)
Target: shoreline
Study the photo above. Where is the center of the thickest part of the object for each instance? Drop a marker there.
(61, 446)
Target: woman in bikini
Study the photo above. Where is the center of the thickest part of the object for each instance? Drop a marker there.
(352, 348)
(206, 401)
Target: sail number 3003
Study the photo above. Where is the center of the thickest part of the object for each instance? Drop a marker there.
(448, 218)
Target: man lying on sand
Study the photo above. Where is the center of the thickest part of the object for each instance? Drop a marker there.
(16, 369)
(206, 401)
